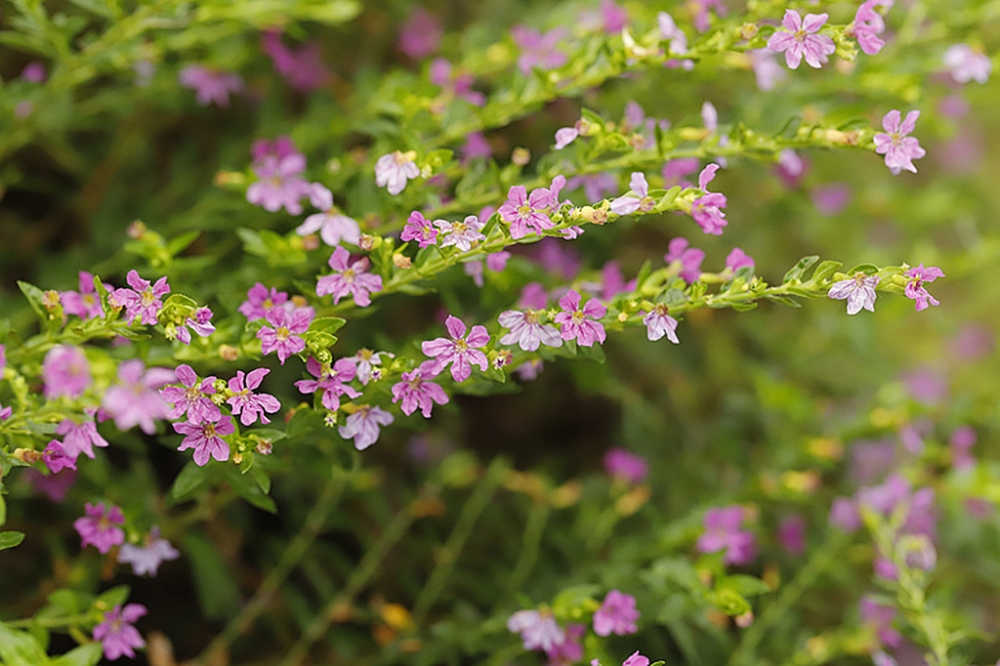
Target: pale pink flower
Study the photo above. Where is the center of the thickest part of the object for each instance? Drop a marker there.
(334, 227)
(799, 39)
(462, 235)
(638, 199)
(302, 68)
(81, 437)
(689, 259)
(282, 336)
(279, 184)
(723, 533)
(147, 557)
(539, 629)
(967, 64)
(636, 659)
(738, 259)
(527, 331)
(117, 635)
(415, 390)
(246, 404)
(538, 50)
(421, 35)
(192, 397)
(201, 324)
(331, 380)
(367, 362)
(899, 149)
(85, 304)
(868, 25)
(363, 426)
(65, 371)
(213, 86)
(767, 72)
(134, 400)
(352, 279)
(522, 212)
(581, 324)
(659, 323)
(99, 528)
(706, 209)
(393, 170)
(617, 615)
(206, 439)
(260, 301)
(458, 351)
(142, 301)
(859, 291)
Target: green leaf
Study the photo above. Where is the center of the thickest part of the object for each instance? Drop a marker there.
(247, 488)
(10, 539)
(189, 479)
(867, 269)
(825, 270)
(785, 300)
(218, 594)
(799, 269)
(327, 324)
(116, 596)
(85, 655)
(178, 244)
(35, 298)
(19, 648)
(746, 586)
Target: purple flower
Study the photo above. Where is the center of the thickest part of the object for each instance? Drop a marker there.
(844, 514)
(249, 405)
(420, 229)
(617, 615)
(859, 291)
(55, 486)
(896, 491)
(282, 336)
(393, 170)
(200, 324)
(334, 227)
(521, 211)
(455, 83)
(117, 635)
(99, 528)
(669, 30)
(260, 301)
(142, 301)
(538, 50)
(212, 86)
(85, 303)
(967, 64)
(674, 172)
(831, 199)
(638, 200)
(331, 380)
(701, 19)
(539, 629)
(738, 259)
(365, 360)
(767, 72)
(416, 391)
(799, 39)
(622, 464)
(459, 351)
(146, 559)
(659, 323)
(899, 149)
(476, 146)
(191, 397)
(65, 371)
(302, 68)
(792, 534)
(495, 262)
(134, 400)
(868, 25)
(689, 259)
(56, 457)
(33, 72)
(595, 186)
(706, 209)
(462, 235)
(565, 136)
(574, 322)
(421, 35)
(80, 437)
(526, 330)
(279, 184)
(205, 438)
(363, 426)
(348, 279)
(960, 443)
(880, 616)
(723, 532)
(612, 281)
(915, 289)
(636, 659)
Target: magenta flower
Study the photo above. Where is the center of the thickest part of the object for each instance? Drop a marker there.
(738, 259)
(539, 629)
(279, 184)
(85, 304)
(117, 635)
(142, 301)
(799, 39)
(331, 379)
(260, 301)
(859, 291)
(421, 35)
(617, 615)
(56, 457)
(622, 464)
(99, 528)
(701, 19)
(538, 50)
(420, 229)
(915, 289)
(792, 534)
(527, 331)
(868, 25)
(636, 659)
(416, 391)
(334, 227)
(899, 149)
(570, 649)
(639, 198)
(565, 136)
(393, 170)
(33, 72)
(831, 199)
(521, 211)
(65, 371)
(659, 323)
(282, 336)
(706, 209)
(967, 64)
(880, 616)
(134, 400)
(200, 324)
(459, 351)
(675, 172)
(462, 235)
(723, 532)
(80, 437)
(495, 261)
(246, 404)
(574, 322)
(689, 259)
(363, 426)
(302, 68)
(206, 439)
(455, 83)
(212, 86)
(146, 558)
(192, 397)
(476, 146)
(612, 281)
(348, 279)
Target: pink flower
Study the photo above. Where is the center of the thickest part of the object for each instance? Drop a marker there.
(792, 534)
(260, 301)
(246, 404)
(80, 437)
(393, 170)
(56, 457)
(831, 199)
(99, 527)
(476, 146)
(738, 259)
(421, 35)
(636, 659)
(565, 136)
(55, 486)
(612, 281)
(967, 64)
(416, 391)
(723, 532)
(459, 351)
(142, 301)
(363, 426)
(331, 380)
(146, 559)
(574, 322)
(617, 615)
(701, 19)
(639, 198)
(539, 629)
(527, 331)
(880, 616)
(302, 68)
(595, 186)
(348, 279)
(134, 400)
(659, 323)
(706, 209)
(915, 289)
(622, 464)
(85, 303)
(669, 30)
(282, 336)
(193, 398)
(689, 259)
(279, 184)
(212, 86)
(420, 229)
(117, 635)
(200, 324)
(675, 172)
(455, 83)
(33, 72)
(538, 50)
(899, 149)
(65, 371)
(334, 227)
(960, 443)
(365, 360)
(799, 39)
(859, 291)
(521, 211)
(868, 25)
(569, 650)
(767, 72)
(495, 262)
(205, 438)
(462, 235)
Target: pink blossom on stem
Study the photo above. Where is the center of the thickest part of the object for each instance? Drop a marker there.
(868, 25)
(636, 659)
(56, 457)
(880, 616)
(246, 404)
(462, 235)
(142, 301)
(570, 650)
(612, 281)
(689, 259)
(495, 262)
(302, 68)
(134, 399)
(659, 323)
(918, 275)
(192, 397)
(767, 72)
(260, 301)
(538, 629)
(99, 527)
(706, 209)
(723, 533)
(639, 198)
(675, 172)
(33, 72)
(65, 371)
(282, 336)
(792, 534)
(420, 229)
(799, 39)
(352, 279)
(367, 362)
(206, 439)
(455, 83)
(81, 437)
(967, 64)
(595, 186)
(617, 615)
(421, 35)
(899, 149)
(117, 635)
(581, 324)
(415, 390)
(537, 49)
(458, 351)
(201, 324)
(622, 464)
(522, 212)
(831, 199)
(331, 380)
(738, 259)
(213, 86)
(147, 557)
(701, 19)
(859, 291)
(85, 304)
(363, 426)
(334, 227)
(527, 331)
(394, 169)
(279, 184)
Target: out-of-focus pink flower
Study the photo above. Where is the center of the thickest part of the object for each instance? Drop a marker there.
(420, 35)
(116, 633)
(65, 371)
(622, 464)
(537, 49)
(800, 39)
(831, 199)
(617, 615)
(899, 149)
(135, 400)
(792, 534)
(688, 258)
(99, 528)
(212, 86)
(363, 426)
(302, 68)
(723, 532)
(966, 64)
(394, 169)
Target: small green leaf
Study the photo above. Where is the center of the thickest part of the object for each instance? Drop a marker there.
(189, 479)
(19, 648)
(798, 270)
(116, 596)
(10, 539)
(85, 655)
(327, 324)
(825, 270)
